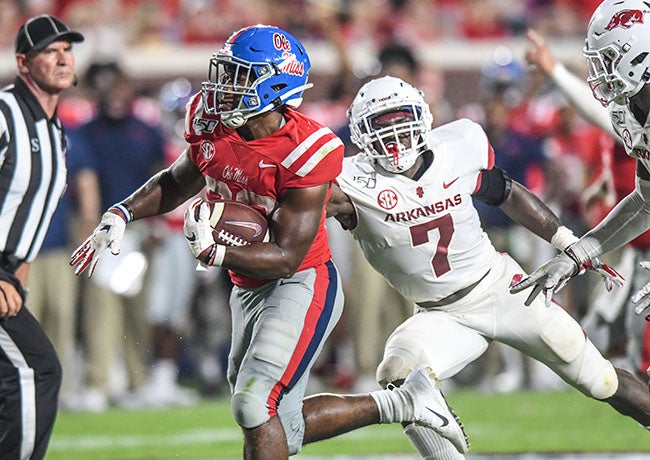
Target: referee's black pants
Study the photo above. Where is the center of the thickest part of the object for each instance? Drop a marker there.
(30, 379)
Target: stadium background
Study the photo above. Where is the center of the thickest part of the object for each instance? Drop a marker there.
(457, 43)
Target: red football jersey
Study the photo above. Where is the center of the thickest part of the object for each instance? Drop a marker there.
(302, 153)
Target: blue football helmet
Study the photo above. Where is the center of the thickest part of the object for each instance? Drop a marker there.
(259, 69)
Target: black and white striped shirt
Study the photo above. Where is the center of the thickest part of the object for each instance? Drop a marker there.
(32, 171)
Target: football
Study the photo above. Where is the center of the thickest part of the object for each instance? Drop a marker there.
(237, 224)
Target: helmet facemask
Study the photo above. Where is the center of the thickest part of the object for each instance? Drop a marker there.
(394, 138)
(231, 89)
(605, 80)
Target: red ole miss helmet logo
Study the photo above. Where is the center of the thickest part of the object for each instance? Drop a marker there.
(290, 64)
(281, 43)
(625, 19)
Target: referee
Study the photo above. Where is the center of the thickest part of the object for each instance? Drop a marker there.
(32, 179)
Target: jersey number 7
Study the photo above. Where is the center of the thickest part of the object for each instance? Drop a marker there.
(445, 227)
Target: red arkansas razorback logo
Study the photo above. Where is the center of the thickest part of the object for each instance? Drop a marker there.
(625, 19)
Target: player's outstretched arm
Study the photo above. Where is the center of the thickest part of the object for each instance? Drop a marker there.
(528, 210)
(161, 193)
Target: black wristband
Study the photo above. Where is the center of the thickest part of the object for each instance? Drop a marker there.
(124, 210)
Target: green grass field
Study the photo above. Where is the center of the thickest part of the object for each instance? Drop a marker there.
(515, 423)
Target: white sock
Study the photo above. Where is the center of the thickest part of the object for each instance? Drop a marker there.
(430, 445)
(394, 405)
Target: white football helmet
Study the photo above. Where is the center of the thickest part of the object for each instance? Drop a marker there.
(385, 112)
(616, 48)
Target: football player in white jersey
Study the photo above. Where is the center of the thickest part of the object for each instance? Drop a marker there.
(407, 199)
(617, 49)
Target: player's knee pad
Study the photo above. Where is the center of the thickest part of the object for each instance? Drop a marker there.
(592, 374)
(248, 410)
(605, 383)
(394, 369)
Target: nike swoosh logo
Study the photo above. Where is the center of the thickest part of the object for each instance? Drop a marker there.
(257, 228)
(263, 165)
(192, 237)
(449, 184)
(445, 420)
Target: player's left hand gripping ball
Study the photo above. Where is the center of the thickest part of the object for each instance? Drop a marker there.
(107, 235)
(198, 233)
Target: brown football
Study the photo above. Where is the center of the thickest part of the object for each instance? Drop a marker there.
(237, 224)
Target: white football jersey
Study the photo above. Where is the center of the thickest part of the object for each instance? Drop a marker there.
(425, 236)
(633, 134)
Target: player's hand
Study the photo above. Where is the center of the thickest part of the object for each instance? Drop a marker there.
(642, 296)
(538, 53)
(609, 275)
(107, 235)
(549, 278)
(198, 234)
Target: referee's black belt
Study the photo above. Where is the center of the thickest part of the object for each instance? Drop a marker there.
(453, 297)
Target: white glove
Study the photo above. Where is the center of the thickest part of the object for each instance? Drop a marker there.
(550, 278)
(198, 234)
(642, 296)
(107, 235)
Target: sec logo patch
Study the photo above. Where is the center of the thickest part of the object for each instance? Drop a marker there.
(207, 150)
(387, 199)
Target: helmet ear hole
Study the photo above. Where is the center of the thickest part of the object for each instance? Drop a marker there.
(639, 59)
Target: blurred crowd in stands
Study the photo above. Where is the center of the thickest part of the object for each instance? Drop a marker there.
(169, 346)
(151, 22)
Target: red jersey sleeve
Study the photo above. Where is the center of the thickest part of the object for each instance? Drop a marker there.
(316, 158)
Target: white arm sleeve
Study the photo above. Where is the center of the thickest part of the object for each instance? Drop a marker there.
(629, 218)
(579, 95)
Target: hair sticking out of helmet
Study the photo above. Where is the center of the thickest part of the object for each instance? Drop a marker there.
(617, 48)
(259, 68)
(389, 120)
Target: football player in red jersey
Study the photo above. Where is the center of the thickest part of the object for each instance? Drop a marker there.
(248, 143)
(408, 199)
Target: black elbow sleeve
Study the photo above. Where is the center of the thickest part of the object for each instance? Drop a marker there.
(495, 187)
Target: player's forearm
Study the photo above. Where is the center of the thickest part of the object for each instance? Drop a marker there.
(629, 218)
(262, 261)
(528, 210)
(159, 195)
